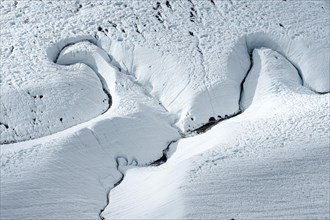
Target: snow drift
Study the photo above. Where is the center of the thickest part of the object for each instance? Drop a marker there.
(92, 89)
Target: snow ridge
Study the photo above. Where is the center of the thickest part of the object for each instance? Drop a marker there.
(270, 78)
(137, 75)
(245, 46)
(89, 53)
(97, 61)
(102, 80)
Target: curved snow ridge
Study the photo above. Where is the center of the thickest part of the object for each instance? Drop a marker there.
(275, 104)
(86, 67)
(307, 64)
(195, 109)
(34, 106)
(123, 90)
(311, 61)
(88, 53)
(106, 68)
(270, 75)
(271, 78)
(93, 57)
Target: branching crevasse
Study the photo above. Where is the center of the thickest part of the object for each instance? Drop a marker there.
(114, 185)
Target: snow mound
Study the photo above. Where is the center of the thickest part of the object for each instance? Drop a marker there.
(260, 154)
(272, 125)
(166, 66)
(163, 77)
(310, 59)
(29, 110)
(86, 53)
(271, 74)
(87, 156)
(173, 82)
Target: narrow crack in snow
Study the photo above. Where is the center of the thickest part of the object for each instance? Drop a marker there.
(115, 184)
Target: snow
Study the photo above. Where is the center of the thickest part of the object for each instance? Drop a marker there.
(271, 161)
(82, 162)
(270, 75)
(92, 91)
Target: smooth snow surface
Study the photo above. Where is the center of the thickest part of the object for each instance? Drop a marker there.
(95, 90)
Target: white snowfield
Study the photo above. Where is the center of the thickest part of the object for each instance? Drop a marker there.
(103, 104)
(270, 162)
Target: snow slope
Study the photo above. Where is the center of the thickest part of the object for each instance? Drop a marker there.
(197, 43)
(70, 173)
(270, 162)
(91, 89)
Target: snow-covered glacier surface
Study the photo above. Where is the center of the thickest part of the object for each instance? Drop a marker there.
(165, 109)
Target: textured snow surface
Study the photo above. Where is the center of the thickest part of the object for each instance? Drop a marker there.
(270, 162)
(95, 90)
(197, 55)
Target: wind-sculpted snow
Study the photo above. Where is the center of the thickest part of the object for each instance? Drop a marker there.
(273, 125)
(271, 77)
(310, 59)
(129, 130)
(116, 109)
(170, 83)
(271, 74)
(204, 64)
(94, 58)
(163, 78)
(32, 112)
